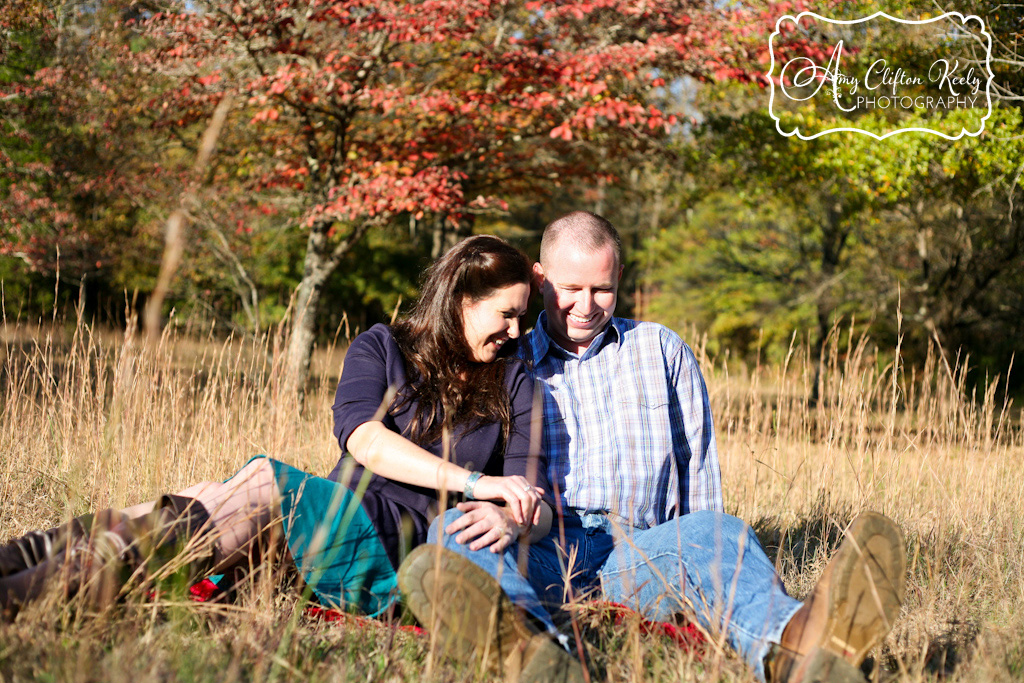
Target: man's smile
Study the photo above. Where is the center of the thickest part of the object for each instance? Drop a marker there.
(580, 319)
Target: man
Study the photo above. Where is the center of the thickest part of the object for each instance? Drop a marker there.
(632, 458)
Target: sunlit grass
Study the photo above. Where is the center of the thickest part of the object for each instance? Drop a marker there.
(93, 418)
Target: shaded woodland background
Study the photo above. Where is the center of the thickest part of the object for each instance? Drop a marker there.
(359, 139)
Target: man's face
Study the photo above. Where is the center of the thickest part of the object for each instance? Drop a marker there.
(579, 290)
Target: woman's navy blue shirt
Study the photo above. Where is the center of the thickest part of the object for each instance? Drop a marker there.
(373, 363)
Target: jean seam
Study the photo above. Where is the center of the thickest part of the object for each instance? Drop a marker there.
(634, 566)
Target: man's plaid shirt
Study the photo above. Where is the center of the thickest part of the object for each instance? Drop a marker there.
(627, 424)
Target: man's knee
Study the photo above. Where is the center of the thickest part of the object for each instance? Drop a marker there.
(712, 521)
(685, 527)
(703, 528)
(435, 534)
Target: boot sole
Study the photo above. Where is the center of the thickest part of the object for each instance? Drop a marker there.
(823, 666)
(470, 614)
(867, 587)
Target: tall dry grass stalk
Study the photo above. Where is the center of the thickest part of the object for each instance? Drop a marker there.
(92, 418)
(914, 443)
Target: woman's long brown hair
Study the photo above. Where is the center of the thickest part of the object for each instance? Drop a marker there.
(447, 387)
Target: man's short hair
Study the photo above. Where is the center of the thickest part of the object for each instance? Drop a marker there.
(588, 230)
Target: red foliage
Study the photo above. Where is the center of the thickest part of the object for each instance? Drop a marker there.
(371, 109)
(63, 170)
(684, 633)
(362, 110)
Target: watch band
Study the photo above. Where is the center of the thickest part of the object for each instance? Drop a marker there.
(467, 490)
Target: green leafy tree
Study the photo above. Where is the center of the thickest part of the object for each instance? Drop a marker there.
(783, 234)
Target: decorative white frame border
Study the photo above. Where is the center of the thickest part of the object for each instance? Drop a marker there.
(963, 20)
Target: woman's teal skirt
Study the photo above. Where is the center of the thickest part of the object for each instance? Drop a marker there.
(333, 543)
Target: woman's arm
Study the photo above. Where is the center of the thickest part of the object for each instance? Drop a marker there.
(391, 455)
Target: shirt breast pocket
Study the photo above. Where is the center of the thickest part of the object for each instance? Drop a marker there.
(643, 396)
(641, 431)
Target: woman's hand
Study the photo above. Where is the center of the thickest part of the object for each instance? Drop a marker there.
(393, 456)
(522, 498)
(484, 524)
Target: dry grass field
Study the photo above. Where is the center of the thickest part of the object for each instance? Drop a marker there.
(92, 419)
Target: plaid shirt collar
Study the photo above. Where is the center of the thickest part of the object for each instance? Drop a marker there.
(541, 343)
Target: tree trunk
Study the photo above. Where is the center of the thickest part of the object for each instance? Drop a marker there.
(321, 260)
(833, 242)
(445, 235)
(303, 331)
(823, 315)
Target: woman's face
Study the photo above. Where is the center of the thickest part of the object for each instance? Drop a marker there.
(490, 322)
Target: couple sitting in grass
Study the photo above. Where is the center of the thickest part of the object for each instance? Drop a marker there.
(622, 498)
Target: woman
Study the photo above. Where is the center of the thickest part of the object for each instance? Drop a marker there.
(430, 406)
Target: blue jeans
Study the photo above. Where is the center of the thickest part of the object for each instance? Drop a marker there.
(706, 564)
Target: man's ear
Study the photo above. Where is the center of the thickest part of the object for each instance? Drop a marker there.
(538, 276)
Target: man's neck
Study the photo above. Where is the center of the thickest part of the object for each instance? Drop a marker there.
(576, 348)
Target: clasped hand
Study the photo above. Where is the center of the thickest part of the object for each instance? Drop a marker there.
(484, 523)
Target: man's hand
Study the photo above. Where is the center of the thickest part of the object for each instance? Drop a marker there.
(484, 524)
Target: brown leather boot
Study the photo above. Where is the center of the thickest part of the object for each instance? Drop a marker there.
(472, 617)
(36, 547)
(851, 610)
(160, 537)
(34, 559)
(121, 557)
(118, 553)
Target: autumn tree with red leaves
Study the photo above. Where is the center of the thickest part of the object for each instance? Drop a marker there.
(367, 112)
(70, 192)
(37, 189)
(372, 110)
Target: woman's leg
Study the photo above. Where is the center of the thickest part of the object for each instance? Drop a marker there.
(139, 510)
(240, 507)
(241, 512)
